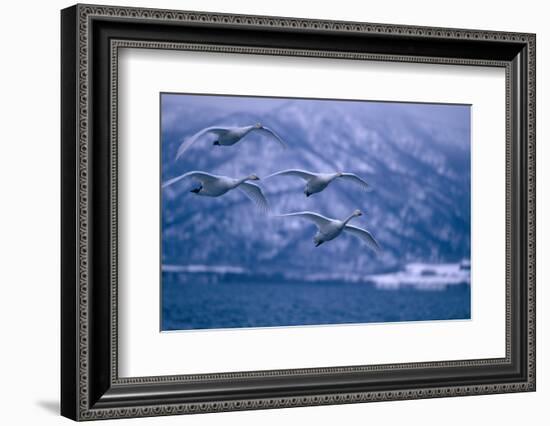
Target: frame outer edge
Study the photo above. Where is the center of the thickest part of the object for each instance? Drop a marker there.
(83, 13)
(531, 200)
(83, 83)
(69, 189)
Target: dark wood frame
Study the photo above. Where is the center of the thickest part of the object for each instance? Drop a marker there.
(90, 386)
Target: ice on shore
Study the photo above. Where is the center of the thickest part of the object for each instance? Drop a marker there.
(213, 269)
(419, 276)
(425, 276)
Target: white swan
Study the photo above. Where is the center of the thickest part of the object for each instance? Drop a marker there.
(215, 186)
(227, 136)
(329, 229)
(316, 182)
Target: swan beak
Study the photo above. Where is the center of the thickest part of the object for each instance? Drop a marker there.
(196, 190)
(216, 143)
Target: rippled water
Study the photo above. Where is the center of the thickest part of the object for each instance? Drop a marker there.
(188, 306)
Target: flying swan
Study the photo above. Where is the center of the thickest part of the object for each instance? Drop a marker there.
(215, 186)
(329, 229)
(316, 182)
(226, 136)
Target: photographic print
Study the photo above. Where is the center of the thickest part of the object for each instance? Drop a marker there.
(281, 212)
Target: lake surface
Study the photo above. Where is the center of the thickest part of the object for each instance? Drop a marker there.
(187, 305)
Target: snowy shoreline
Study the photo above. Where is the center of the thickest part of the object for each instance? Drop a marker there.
(419, 276)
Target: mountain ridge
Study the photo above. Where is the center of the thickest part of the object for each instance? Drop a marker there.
(416, 158)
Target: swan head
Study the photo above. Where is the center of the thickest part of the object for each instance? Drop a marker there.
(252, 177)
(317, 240)
(357, 212)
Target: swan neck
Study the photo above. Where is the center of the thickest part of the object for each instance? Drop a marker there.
(350, 217)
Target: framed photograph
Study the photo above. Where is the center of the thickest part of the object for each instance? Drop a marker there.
(263, 212)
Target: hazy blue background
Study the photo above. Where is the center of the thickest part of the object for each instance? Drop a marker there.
(227, 265)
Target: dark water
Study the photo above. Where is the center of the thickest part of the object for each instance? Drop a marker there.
(257, 304)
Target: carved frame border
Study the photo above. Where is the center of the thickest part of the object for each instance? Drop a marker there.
(87, 12)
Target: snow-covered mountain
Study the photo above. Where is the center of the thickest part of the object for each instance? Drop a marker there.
(415, 156)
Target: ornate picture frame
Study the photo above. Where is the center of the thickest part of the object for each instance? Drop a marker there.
(91, 37)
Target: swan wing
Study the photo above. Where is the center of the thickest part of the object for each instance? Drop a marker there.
(293, 172)
(267, 131)
(317, 219)
(356, 179)
(203, 177)
(193, 138)
(364, 235)
(254, 192)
